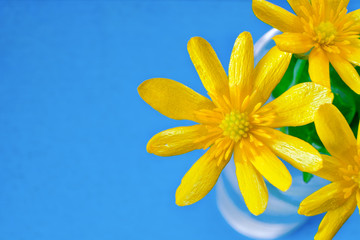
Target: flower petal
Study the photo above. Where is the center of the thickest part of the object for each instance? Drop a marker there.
(241, 65)
(176, 141)
(276, 16)
(336, 4)
(297, 106)
(268, 73)
(355, 16)
(346, 71)
(293, 42)
(319, 67)
(330, 5)
(334, 220)
(199, 180)
(330, 170)
(327, 198)
(295, 151)
(271, 167)
(296, 5)
(172, 98)
(352, 54)
(251, 183)
(208, 66)
(335, 133)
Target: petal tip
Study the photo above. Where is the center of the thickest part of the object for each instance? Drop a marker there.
(180, 203)
(195, 41)
(301, 210)
(180, 199)
(244, 37)
(318, 164)
(258, 211)
(256, 4)
(287, 185)
(245, 34)
(141, 88)
(149, 147)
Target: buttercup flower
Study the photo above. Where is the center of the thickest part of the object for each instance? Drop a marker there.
(322, 27)
(338, 198)
(235, 121)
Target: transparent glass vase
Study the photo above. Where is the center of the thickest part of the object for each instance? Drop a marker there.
(281, 215)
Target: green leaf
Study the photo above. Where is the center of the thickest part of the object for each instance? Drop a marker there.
(307, 177)
(344, 98)
(301, 72)
(287, 79)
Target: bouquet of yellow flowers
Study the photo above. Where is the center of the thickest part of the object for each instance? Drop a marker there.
(310, 122)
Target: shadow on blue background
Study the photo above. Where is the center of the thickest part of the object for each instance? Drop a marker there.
(74, 130)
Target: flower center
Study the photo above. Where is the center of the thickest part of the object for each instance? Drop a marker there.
(235, 125)
(356, 176)
(352, 175)
(325, 33)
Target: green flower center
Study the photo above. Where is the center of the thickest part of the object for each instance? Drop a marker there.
(325, 33)
(235, 125)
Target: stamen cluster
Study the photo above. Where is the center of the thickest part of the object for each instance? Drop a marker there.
(235, 125)
(352, 175)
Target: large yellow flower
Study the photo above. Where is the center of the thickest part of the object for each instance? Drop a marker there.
(236, 121)
(322, 27)
(338, 198)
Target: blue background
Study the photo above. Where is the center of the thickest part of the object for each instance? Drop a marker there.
(73, 129)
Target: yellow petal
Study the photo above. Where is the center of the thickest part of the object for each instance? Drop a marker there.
(208, 66)
(271, 167)
(199, 180)
(335, 133)
(336, 4)
(355, 16)
(293, 42)
(268, 73)
(358, 199)
(241, 65)
(346, 71)
(330, 6)
(298, 105)
(296, 5)
(327, 198)
(330, 170)
(173, 99)
(276, 16)
(334, 220)
(319, 67)
(176, 141)
(352, 54)
(251, 183)
(295, 151)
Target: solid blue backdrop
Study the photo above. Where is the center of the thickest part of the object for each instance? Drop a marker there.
(74, 130)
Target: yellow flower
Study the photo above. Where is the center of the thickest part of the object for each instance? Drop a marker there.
(236, 121)
(322, 27)
(338, 198)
